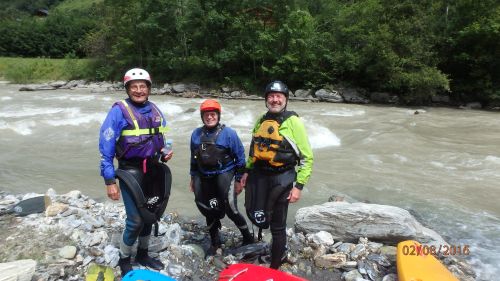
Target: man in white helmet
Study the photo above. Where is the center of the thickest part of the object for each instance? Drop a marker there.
(133, 132)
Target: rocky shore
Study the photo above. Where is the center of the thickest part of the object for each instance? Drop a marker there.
(332, 94)
(336, 240)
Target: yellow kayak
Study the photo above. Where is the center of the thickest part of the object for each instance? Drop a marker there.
(97, 272)
(415, 263)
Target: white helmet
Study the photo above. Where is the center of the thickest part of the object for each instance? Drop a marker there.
(136, 74)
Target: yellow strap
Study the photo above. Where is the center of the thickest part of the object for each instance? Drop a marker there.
(136, 131)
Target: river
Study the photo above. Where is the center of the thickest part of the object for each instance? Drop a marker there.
(441, 164)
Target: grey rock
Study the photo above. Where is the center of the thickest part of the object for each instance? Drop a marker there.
(390, 277)
(58, 84)
(111, 255)
(329, 96)
(390, 252)
(351, 95)
(379, 259)
(321, 238)
(358, 252)
(336, 260)
(178, 88)
(346, 247)
(300, 93)
(352, 275)
(175, 270)
(20, 270)
(67, 252)
(348, 222)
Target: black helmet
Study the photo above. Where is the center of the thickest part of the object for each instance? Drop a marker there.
(276, 86)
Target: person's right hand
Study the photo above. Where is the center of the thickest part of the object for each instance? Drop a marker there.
(191, 186)
(113, 191)
(243, 180)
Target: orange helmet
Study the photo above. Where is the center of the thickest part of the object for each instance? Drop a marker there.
(210, 105)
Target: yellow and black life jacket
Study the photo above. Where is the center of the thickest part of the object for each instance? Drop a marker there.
(269, 149)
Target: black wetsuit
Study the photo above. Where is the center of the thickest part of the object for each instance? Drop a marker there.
(268, 192)
(214, 195)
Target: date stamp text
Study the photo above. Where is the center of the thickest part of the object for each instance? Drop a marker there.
(445, 250)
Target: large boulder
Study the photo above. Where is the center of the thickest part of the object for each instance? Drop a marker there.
(351, 95)
(329, 96)
(300, 93)
(349, 221)
(20, 270)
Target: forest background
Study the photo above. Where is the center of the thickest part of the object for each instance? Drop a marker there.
(414, 49)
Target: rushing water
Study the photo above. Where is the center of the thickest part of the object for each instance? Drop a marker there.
(442, 164)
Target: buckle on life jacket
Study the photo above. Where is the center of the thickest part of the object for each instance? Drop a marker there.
(154, 131)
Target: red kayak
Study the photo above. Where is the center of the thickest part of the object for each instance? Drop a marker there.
(252, 272)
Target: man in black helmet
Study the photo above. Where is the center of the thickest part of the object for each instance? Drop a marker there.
(279, 166)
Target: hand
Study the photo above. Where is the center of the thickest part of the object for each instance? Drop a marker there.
(238, 188)
(191, 185)
(113, 191)
(243, 180)
(294, 195)
(167, 156)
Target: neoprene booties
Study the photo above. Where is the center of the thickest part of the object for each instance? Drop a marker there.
(144, 259)
(125, 265)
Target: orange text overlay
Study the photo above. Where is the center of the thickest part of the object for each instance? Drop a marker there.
(445, 250)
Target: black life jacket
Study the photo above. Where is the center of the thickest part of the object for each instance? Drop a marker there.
(269, 149)
(208, 155)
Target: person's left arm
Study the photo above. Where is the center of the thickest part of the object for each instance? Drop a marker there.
(300, 139)
(167, 156)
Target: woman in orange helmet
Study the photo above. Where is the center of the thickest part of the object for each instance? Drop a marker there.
(217, 156)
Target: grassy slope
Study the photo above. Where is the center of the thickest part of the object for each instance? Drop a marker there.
(75, 5)
(27, 70)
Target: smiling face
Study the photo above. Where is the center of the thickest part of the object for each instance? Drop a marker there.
(275, 102)
(138, 91)
(210, 118)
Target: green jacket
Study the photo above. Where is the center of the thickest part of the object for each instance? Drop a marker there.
(294, 131)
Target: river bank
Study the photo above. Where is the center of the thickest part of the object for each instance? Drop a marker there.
(331, 94)
(76, 231)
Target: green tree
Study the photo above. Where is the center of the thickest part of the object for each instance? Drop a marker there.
(470, 48)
